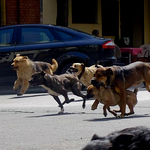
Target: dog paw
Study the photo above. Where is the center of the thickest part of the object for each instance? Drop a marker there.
(71, 100)
(93, 107)
(130, 113)
(105, 114)
(61, 111)
(19, 94)
(120, 116)
(83, 105)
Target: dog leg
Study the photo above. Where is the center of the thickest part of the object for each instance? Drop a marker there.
(123, 98)
(84, 99)
(64, 93)
(76, 90)
(130, 105)
(17, 83)
(147, 87)
(25, 86)
(117, 110)
(108, 108)
(60, 105)
(94, 105)
(104, 110)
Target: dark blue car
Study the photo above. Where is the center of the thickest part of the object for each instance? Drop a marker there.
(44, 42)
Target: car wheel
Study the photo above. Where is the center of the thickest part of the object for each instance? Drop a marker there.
(65, 67)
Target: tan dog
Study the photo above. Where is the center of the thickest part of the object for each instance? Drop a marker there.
(121, 78)
(108, 97)
(26, 67)
(85, 73)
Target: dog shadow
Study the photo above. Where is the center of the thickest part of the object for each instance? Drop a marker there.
(26, 96)
(113, 118)
(58, 114)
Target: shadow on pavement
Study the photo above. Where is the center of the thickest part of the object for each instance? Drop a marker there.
(26, 96)
(50, 115)
(113, 118)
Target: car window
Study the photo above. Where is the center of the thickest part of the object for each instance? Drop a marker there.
(6, 37)
(30, 35)
(64, 36)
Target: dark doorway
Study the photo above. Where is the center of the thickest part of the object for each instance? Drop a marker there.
(110, 18)
(84, 11)
(132, 22)
(1, 13)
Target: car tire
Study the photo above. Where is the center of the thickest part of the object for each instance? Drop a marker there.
(65, 67)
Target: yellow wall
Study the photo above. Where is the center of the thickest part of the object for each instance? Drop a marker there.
(49, 11)
(146, 22)
(50, 14)
(86, 27)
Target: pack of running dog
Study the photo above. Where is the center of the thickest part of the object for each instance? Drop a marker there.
(107, 85)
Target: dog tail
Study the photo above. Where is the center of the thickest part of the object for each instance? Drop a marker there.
(54, 65)
(136, 90)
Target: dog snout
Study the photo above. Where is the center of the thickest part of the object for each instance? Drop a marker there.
(70, 69)
(94, 82)
(31, 81)
(13, 66)
(87, 96)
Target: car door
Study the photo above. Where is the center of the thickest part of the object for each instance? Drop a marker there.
(38, 43)
(7, 46)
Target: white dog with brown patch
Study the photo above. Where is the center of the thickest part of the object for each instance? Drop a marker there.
(85, 74)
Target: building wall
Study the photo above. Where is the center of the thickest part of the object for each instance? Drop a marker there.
(22, 11)
(86, 27)
(146, 22)
(28, 11)
(50, 14)
(49, 11)
(11, 12)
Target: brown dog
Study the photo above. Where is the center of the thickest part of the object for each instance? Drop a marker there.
(85, 74)
(121, 78)
(26, 67)
(109, 97)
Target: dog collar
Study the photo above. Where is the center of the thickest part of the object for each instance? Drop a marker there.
(80, 75)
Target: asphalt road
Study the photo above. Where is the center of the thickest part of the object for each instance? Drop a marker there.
(32, 122)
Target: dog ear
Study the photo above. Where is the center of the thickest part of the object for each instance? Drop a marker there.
(95, 137)
(25, 57)
(17, 55)
(122, 141)
(82, 64)
(109, 71)
(43, 73)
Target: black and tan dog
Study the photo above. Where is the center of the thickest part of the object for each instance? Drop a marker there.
(121, 78)
(26, 67)
(109, 97)
(134, 138)
(85, 74)
(58, 85)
